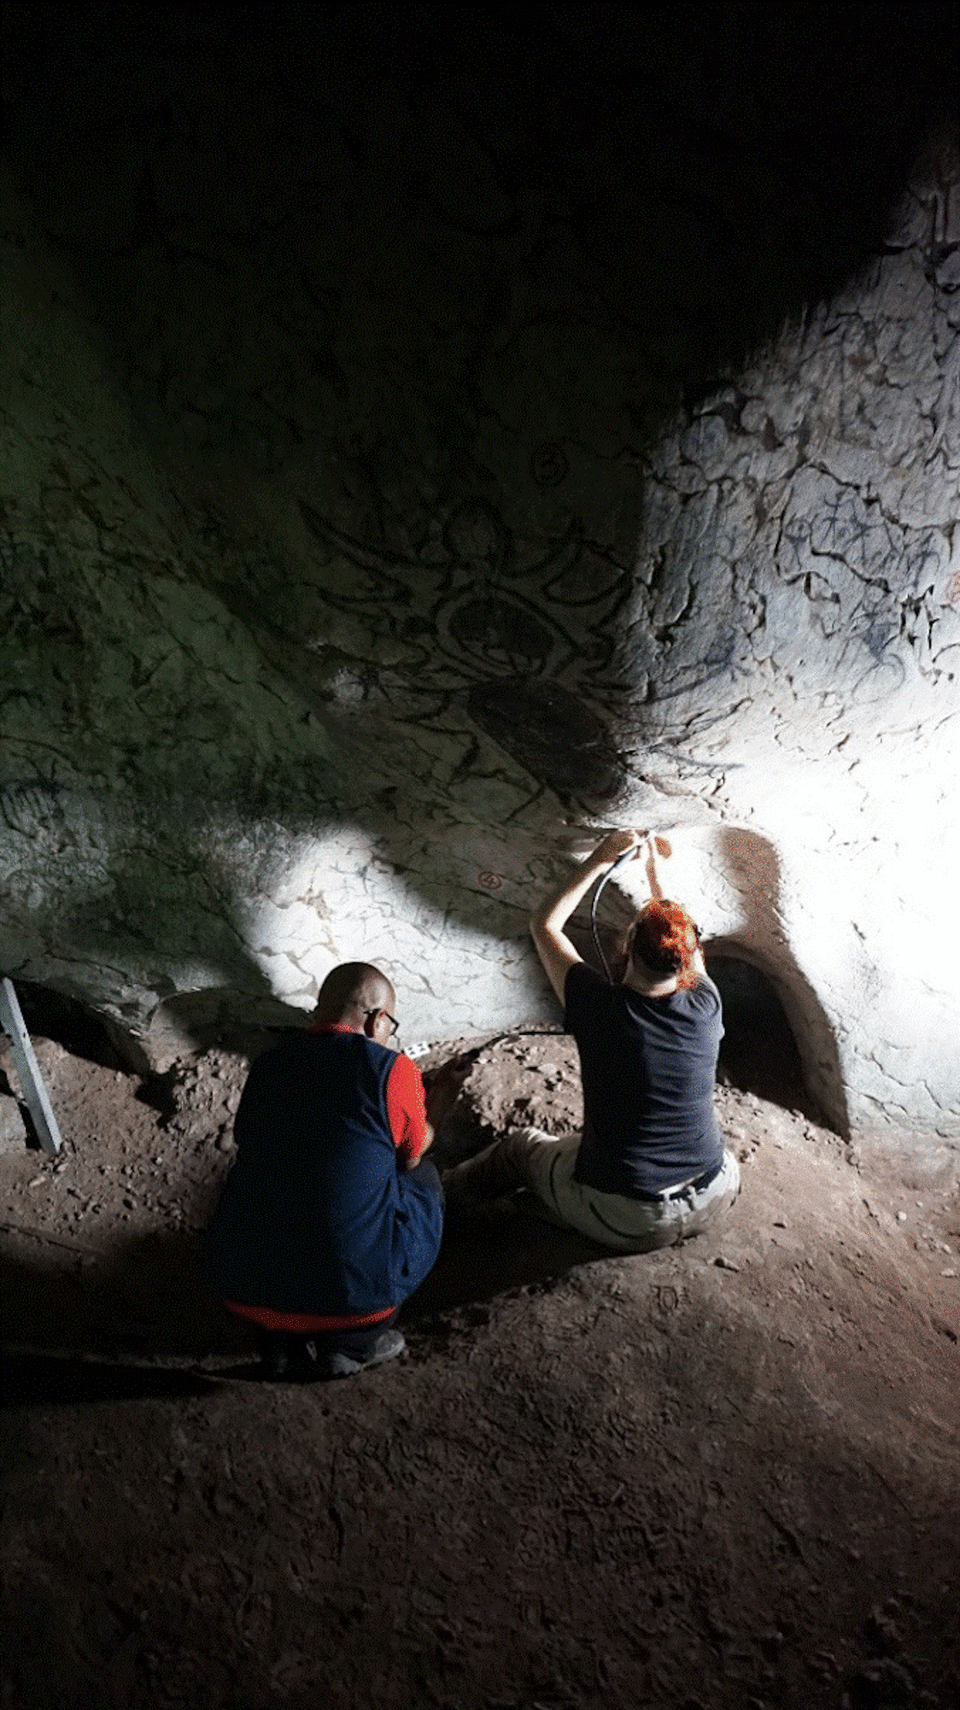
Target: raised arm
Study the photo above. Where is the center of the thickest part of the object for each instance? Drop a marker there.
(442, 1087)
(547, 923)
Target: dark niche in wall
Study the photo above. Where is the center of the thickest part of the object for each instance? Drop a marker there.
(51, 1015)
(758, 1053)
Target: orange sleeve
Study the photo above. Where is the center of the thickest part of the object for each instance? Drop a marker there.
(406, 1108)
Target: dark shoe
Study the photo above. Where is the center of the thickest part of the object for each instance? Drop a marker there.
(286, 1358)
(332, 1364)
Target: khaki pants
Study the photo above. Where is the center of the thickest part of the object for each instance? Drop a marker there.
(526, 1157)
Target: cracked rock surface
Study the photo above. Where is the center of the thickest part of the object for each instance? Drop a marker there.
(380, 522)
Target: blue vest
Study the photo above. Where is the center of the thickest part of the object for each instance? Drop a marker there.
(319, 1214)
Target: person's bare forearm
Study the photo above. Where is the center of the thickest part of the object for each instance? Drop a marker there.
(442, 1087)
(556, 908)
(547, 922)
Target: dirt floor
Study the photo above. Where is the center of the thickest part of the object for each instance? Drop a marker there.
(722, 1475)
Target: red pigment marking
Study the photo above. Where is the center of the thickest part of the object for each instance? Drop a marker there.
(663, 847)
(953, 589)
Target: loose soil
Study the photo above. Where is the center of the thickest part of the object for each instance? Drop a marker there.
(723, 1476)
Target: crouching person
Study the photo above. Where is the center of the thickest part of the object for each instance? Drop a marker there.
(331, 1215)
(650, 1167)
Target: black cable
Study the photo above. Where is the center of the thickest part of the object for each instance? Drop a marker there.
(512, 1033)
(628, 855)
(557, 1032)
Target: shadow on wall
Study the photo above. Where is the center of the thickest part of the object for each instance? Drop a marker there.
(154, 896)
(171, 898)
(774, 1017)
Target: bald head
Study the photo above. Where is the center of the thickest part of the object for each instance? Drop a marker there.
(352, 992)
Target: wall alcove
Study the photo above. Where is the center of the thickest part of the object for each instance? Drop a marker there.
(758, 1052)
(49, 1014)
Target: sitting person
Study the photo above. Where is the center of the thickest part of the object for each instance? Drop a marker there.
(650, 1167)
(331, 1216)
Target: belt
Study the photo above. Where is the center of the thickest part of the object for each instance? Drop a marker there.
(683, 1187)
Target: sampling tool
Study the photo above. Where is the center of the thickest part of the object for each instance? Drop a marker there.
(628, 855)
(35, 1094)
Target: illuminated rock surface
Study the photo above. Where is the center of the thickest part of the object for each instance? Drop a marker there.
(378, 527)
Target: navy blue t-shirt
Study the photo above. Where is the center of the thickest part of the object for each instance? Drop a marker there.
(648, 1067)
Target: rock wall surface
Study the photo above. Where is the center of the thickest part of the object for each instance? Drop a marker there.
(406, 476)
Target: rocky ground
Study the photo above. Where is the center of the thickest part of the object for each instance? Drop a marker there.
(719, 1477)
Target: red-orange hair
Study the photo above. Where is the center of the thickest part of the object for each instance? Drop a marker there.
(665, 940)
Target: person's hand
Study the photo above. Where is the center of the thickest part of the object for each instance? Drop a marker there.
(443, 1087)
(455, 1069)
(617, 843)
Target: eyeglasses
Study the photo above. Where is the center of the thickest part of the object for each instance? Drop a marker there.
(394, 1024)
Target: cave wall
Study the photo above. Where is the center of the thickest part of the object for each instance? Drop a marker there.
(423, 453)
